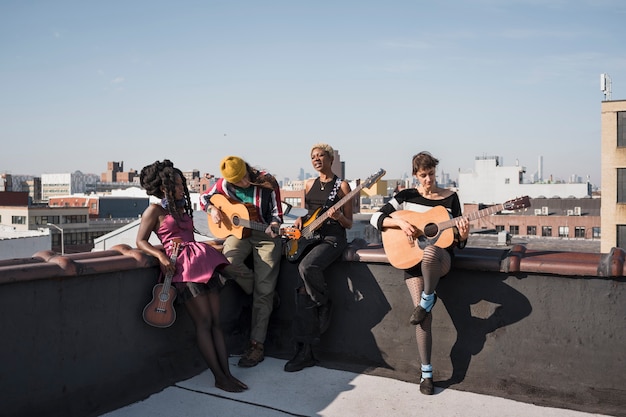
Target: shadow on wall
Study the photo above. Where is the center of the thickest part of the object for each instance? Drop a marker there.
(478, 307)
(359, 305)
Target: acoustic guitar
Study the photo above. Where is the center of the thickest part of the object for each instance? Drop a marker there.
(434, 227)
(301, 240)
(160, 312)
(235, 219)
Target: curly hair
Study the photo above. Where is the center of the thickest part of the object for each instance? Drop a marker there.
(159, 180)
(261, 178)
(424, 160)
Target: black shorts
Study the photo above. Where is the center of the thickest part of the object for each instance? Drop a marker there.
(188, 290)
(413, 272)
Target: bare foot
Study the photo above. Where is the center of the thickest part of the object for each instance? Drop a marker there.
(238, 382)
(228, 385)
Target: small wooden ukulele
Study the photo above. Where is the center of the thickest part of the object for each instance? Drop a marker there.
(160, 311)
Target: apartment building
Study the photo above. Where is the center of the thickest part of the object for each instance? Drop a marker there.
(613, 171)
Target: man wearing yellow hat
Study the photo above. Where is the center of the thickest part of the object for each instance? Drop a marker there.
(260, 193)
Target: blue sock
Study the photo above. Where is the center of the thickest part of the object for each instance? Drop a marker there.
(427, 371)
(428, 301)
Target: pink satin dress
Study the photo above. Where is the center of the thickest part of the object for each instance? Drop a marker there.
(196, 261)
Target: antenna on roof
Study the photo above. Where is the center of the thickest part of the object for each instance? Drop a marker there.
(605, 86)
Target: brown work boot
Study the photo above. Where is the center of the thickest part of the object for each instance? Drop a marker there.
(252, 356)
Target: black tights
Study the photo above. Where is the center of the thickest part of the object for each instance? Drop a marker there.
(204, 311)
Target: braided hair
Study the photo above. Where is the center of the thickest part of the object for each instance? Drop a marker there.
(159, 180)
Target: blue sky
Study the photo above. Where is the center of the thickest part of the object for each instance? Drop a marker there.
(83, 83)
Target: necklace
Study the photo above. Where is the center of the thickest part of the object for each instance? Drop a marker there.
(324, 184)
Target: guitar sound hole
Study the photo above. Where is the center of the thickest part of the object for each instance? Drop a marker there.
(164, 296)
(236, 220)
(431, 230)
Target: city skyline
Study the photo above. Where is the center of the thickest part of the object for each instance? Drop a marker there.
(194, 82)
(445, 178)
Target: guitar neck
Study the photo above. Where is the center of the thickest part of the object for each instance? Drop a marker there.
(167, 281)
(261, 227)
(472, 216)
(253, 225)
(315, 224)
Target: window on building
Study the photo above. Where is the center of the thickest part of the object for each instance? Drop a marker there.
(595, 233)
(579, 231)
(93, 235)
(563, 231)
(79, 238)
(621, 128)
(621, 236)
(621, 185)
(546, 231)
(507, 180)
(47, 219)
(294, 201)
(531, 230)
(55, 239)
(75, 218)
(18, 219)
(514, 230)
(499, 228)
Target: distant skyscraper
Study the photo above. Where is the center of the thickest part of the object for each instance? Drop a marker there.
(338, 166)
(540, 169)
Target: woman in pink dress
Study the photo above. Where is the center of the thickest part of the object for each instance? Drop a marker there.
(195, 272)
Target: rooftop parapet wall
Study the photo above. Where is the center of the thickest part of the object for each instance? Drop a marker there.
(537, 326)
(48, 264)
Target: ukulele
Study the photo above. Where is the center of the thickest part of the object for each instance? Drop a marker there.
(160, 311)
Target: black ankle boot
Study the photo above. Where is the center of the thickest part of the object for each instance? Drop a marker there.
(303, 359)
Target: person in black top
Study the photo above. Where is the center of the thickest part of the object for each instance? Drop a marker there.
(313, 307)
(422, 279)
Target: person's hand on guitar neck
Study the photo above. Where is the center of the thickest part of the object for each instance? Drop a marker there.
(166, 264)
(273, 230)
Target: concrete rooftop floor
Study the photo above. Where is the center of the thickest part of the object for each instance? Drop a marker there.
(320, 391)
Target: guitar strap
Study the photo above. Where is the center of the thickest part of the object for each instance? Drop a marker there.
(332, 195)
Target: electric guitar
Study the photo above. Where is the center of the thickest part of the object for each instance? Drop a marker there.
(300, 240)
(434, 227)
(235, 218)
(160, 311)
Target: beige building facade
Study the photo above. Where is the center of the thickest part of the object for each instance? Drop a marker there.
(613, 171)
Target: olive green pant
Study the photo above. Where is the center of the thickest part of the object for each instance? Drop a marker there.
(260, 281)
